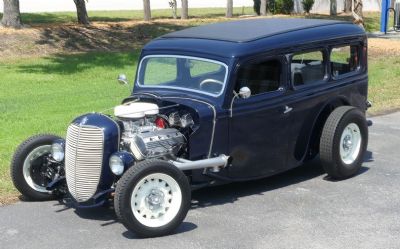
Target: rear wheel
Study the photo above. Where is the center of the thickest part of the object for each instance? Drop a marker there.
(152, 198)
(29, 167)
(343, 142)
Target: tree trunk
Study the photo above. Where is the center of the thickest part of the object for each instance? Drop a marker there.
(174, 9)
(185, 10)
(146, 10)
(263, 7)
(11, 14)
(81, 12)
(333, 8)
(358, 13)
(229, 8)
(347, 6)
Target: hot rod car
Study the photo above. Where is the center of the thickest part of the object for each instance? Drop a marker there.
(212, 104)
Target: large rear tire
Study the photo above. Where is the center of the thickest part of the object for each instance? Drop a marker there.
(152, 198)
(343, 142)
(27, 167)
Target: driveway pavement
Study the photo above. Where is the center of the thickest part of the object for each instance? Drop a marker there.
(297, 209)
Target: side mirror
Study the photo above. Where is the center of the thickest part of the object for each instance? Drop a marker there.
(122, 79)
(244, 92)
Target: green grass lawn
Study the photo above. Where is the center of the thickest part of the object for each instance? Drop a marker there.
(44, 95)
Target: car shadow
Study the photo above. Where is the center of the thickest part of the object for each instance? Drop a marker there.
(229, 193)
(219, 195)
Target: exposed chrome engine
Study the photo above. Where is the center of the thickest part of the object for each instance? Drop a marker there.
(145, 140)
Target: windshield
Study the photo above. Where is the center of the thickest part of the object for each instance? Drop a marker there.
(188, 73)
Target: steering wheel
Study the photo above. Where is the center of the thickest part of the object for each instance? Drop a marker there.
(211, 81)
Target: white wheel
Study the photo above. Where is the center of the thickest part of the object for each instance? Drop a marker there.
(27, 167)
(350, 143)
(343, 142)
(156, 200)
(152, 198)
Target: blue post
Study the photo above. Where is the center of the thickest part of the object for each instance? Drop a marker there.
(384, 15)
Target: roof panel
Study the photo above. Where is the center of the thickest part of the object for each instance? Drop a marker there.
(249, 29)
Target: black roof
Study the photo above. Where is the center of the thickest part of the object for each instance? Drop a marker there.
(249, 29)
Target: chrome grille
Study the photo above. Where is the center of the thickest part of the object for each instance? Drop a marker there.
(83, 160)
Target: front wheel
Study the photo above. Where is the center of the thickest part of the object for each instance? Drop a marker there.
(30, 171)
(152, 198)
(343, 142)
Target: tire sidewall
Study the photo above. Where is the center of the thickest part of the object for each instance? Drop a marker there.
(17, 165)
(352, 116)
(128, 218)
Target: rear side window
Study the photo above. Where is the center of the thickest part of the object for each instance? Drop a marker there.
(307, 68)
(344, 60)
(260, 77)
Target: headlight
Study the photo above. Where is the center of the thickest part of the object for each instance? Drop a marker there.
(57, 150)
(116, 165)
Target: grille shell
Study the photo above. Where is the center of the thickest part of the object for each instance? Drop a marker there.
(83, 160)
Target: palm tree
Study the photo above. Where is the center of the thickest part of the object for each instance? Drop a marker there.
(263, 7)
(146, 10)
(358, 13)
(11, 14)
(185, 10)
(229, 8)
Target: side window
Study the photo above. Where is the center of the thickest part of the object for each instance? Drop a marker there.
(344, 60)
(307, 68)
(260, 77)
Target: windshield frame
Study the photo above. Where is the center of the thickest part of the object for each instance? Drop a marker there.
(177, 87)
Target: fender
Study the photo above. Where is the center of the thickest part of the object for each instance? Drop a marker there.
(307, 142)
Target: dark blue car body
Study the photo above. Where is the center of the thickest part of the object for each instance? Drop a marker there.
(261, 137)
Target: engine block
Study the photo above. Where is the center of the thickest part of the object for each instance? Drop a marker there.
(156, 143)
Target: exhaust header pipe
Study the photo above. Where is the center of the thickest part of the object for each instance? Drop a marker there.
(215, 163)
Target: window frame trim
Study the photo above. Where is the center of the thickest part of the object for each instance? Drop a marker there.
(140, 85)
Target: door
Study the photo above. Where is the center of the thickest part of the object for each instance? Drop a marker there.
(258, 126)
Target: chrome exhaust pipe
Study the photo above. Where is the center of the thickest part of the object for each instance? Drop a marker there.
(215, 163)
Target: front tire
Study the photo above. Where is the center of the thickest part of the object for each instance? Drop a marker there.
(27, 167)
(343, 142)
(152, 198)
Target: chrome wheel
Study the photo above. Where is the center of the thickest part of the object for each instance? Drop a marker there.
(350, 143)
(156, 200)
(27, 169)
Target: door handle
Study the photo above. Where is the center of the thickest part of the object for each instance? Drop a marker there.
(287, 109)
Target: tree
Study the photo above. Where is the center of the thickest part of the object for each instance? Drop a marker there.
(146, 10)
(11, 14)
(333, 8)
(263, 7)
(81, 12)
(185, 10)
(347, 6)
(358, 13)
(229, 8)
(173, 5)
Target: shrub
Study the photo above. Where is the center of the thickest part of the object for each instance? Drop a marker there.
(307, 5)
(275, 6)
(284, 6)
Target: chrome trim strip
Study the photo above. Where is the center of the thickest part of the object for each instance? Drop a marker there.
(182, 88)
